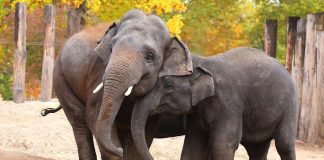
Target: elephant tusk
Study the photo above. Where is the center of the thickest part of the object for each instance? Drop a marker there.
(129, 91)
(98, 88)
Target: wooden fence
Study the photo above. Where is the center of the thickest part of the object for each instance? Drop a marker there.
(304, 60)
(49, 53)
(19, 53)
(75, 24)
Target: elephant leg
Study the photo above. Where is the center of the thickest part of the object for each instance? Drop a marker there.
(84, 141)
(222, 148)
(196, 141)
(225, 125)
(74, 111)
(129, 148)
(224, 139)
(285, 138)
(257, 151)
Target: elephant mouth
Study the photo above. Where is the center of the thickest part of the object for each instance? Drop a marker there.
(132, 88)
(146, 77)
(141, 88)
(159, 109)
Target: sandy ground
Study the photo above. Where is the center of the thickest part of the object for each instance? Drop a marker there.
(26, 135)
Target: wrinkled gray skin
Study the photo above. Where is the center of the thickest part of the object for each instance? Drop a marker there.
(241, 96)
(133, 52)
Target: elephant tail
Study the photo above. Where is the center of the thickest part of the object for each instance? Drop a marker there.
(46, 111)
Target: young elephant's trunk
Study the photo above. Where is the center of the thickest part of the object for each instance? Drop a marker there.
(142, 110)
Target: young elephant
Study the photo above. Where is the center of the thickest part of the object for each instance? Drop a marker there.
(242, 96)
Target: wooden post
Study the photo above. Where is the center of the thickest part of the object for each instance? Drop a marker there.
(49, 52)
(311, 122)
(270, 38)
(75, 20)
(297, 71)
(290, 40)
(310, 51)
(19, 53)
(316, 128)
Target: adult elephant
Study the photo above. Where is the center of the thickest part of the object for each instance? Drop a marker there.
(130, 57)
(242, 96)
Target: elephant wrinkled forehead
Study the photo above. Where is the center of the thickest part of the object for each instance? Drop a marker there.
(146, 27)
(174, 81)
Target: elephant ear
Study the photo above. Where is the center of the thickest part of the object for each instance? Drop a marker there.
(202, 85)
(103, 48)
(177, 60)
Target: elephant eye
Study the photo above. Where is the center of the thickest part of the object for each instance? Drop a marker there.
(167, 87)
(149, 57)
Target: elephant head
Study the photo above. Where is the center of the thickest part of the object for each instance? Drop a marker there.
(172, 95)
(139, 49)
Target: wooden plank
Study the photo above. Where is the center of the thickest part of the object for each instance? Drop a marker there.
(19, 53)
(270, 38)
(297, 72)
(290, 41)
(49, 52)
(311, 122)
(310, 51)
(316, 128)
(75, 20)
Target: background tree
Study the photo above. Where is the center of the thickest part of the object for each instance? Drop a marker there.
(212, 27)
(208, 27)
(94, 11)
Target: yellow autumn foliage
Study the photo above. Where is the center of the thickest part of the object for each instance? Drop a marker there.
(159, 7)
(175, 25)
(31, 4)
(74, 3)
(111, 10)
(208, 30)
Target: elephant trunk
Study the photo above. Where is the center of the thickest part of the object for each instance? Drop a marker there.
(142, 110)
(120, 74)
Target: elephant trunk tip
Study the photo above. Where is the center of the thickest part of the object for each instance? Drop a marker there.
(104, 140)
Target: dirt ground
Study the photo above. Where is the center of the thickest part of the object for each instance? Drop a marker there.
(26, 135)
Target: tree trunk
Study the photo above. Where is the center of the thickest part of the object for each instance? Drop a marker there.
(270, 38)
(297, 72)
(49, 52)
(19, 53)
(75, 20)
(290, 40)
(311, 122)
